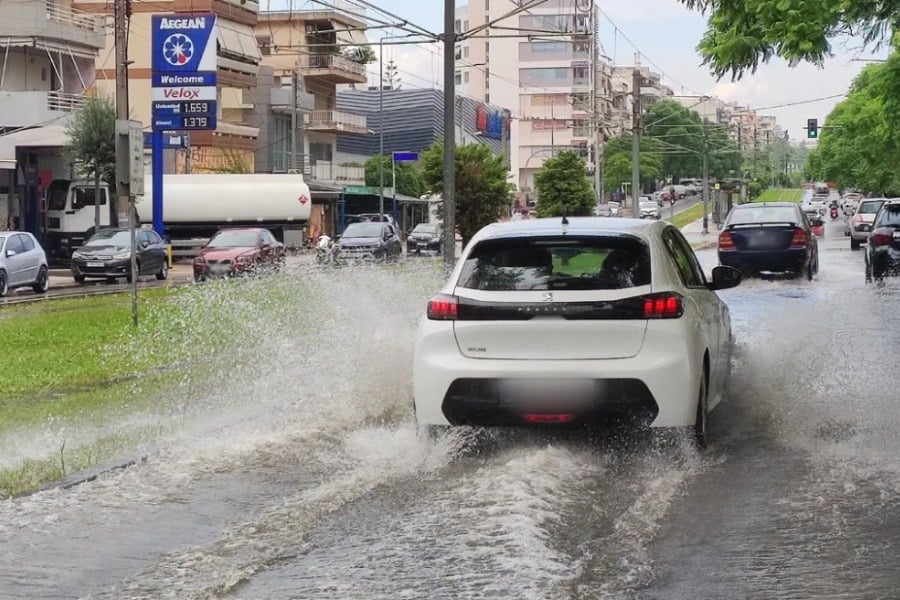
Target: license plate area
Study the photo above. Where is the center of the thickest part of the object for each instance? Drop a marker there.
(96, 265)
(529, 394)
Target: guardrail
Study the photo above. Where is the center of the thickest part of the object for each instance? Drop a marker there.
(63, 101)
(71, 16)
(335, 62)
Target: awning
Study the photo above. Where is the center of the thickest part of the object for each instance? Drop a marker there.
(238, 40)
(51, 136)
(49, 45)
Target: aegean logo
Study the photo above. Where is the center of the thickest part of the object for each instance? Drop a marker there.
(183, 23)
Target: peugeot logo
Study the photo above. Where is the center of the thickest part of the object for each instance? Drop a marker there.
(547, 297)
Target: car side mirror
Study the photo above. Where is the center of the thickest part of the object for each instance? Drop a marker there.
(724, 277)
(144, 244)
(10, 253)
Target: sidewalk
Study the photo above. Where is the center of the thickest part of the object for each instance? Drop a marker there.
(693, 233)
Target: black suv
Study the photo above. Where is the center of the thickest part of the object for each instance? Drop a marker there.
(883, 249)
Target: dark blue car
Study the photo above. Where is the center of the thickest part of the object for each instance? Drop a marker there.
(769, 238)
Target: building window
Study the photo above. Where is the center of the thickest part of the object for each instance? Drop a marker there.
(456, 25)
(457, 77)
(465, 52)
(549, 47)
(458, 55)
(466, 77)
(281, 143)
(265, 44)
(466, 25)
(545, 76)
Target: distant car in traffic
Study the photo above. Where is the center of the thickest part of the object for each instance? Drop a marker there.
(649, 208)
(369, 241)
(425, 237)
(769, 237)
(883, 249)
(571, 322)
(23, 263)
(238, 251)
(107, 255)
(860, 224)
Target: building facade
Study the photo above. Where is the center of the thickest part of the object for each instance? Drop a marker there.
(48, 51)
(232, 146)
(548, 83)
(313, 54)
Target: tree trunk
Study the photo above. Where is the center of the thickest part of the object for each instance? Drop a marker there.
(96, 198)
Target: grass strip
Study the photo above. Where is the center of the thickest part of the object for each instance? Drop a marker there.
(686, 217)
(780, 195)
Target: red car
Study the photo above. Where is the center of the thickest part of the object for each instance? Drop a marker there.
(234, 252)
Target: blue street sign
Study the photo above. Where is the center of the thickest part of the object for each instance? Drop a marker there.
(406, 156)
(169, 140)
(185, 122)
(177, 79)
(183, 44)
(196, 107)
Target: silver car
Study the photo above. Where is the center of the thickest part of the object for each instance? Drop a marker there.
(861, 222)
(23, 263)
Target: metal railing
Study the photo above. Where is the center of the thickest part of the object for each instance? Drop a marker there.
(336, 63)
(65, 102)
(335, 119)
(71, 16)
(326, 171)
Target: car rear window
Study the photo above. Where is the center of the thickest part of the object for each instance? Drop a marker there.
(870, 207)
(763, 214)
(890, 216)
(557, 263)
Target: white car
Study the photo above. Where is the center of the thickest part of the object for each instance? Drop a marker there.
(567, 321)
(23, 263)
(649, 208)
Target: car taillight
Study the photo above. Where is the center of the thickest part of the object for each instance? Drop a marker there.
(443, 307)
(883, 236)
(725, 241)
(799, 240)
(663, 306)
(548, 418)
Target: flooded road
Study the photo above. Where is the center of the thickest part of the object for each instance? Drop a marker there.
(301, 476)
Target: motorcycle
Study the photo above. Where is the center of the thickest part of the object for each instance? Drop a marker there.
(834, 213)
(326, 250)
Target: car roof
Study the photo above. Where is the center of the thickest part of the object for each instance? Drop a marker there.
(576, 225)
(752, 204)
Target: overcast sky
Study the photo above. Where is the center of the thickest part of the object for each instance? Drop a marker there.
(665, 34)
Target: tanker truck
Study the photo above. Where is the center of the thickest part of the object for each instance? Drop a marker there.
(194, 208)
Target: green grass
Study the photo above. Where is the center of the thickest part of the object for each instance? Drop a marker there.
(780, 195)
(687, 217)
(78, 365)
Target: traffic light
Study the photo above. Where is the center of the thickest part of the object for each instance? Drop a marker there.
(812, 128)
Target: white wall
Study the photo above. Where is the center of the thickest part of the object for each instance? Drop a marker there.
(27, 73)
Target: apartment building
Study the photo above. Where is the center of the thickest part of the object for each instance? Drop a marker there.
(316, 53)
(546, 82)
(48, 51)
(652, 90)
(232, 145)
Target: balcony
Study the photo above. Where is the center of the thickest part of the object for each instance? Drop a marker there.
(328, 172)
(48, 25)
(333, 68)
(20, 109)
(334, 121)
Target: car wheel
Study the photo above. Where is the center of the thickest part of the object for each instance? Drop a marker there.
(809, 271)
(854, 244)
(199, 278)
(130, 277)
(42, 283)
(163, 271)
(700, 430)
(79, 278)
(4, 283)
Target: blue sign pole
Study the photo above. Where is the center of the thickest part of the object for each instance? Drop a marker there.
(157, 143)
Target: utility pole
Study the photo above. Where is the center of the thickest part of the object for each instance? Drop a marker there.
(449, 196)
(294, 89)
(635, 139)
(705, 181)
(121, 10)
(381, 130)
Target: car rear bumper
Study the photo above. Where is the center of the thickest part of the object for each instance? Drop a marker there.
(859, 236)
(885, 261)
(660, 383)
(774, 261)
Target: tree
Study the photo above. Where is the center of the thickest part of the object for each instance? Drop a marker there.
(482, 193)
(614, 169)
(562, 187)
(742, 34)
(859, 146)
(409, 179)
(92, 141)
(679, 131)
(391, 79)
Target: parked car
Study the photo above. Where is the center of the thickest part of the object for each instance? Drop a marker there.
(425, 237)
(571, 321)
(769, 237)
(861, 222)
(369, 241)
(883, 249)
(238, 251)
(107, 255)
(23, 263)
(649, 208)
